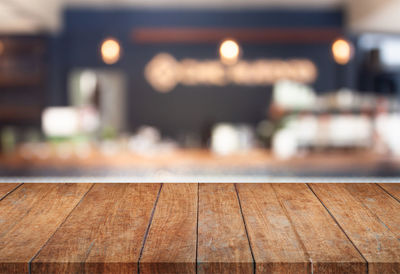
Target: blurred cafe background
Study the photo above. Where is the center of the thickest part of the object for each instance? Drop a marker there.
(199, 88)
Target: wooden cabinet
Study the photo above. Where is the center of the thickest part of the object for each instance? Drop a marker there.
(23, 63)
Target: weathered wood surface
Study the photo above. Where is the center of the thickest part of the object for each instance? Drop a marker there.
(204, 228)
(171, 242)
(105, 233)
(223, 246)
(276, 246)
(379, 202)
(28, 218)
(327, 247)
(6, 188)
(393, 189)
(363, 222)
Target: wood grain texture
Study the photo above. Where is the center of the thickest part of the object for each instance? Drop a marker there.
(104, 234)
(275, 244)
(29, 216)
(170, 246)
(393, 189)
(223, 246)
(377, 243)
(6, 188)
(327, 247)
(123, 228)
(382, 205)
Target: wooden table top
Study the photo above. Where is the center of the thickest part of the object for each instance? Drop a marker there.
(199, 228)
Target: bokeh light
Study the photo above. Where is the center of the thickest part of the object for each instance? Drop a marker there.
(342, 51)
(110, 51)
(229, 52)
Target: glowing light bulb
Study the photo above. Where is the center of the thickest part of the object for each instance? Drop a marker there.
(110, 51)
(342, 51)
(229, 52)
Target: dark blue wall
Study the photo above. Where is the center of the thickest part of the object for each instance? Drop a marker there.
(186, 109)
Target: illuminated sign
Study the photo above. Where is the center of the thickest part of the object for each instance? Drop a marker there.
(164, 72)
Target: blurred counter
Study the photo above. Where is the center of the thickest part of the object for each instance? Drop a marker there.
(199, 162)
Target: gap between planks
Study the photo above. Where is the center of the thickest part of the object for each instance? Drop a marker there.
(66, 218)
(148, 227)
(341, 228)
(245, 227)
(9, 191)
(387, 191)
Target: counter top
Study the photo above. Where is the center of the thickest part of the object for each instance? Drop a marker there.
(199, 228)
(196, 163)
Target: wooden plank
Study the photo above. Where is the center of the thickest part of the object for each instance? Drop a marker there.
(29, 216)
(273, 239)
(223, 246)
(393, 189)
(6, 188)
(385, 208)
(16, 206)
(372, 237)
(103, 234)
(170, 246)
(327, 247)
